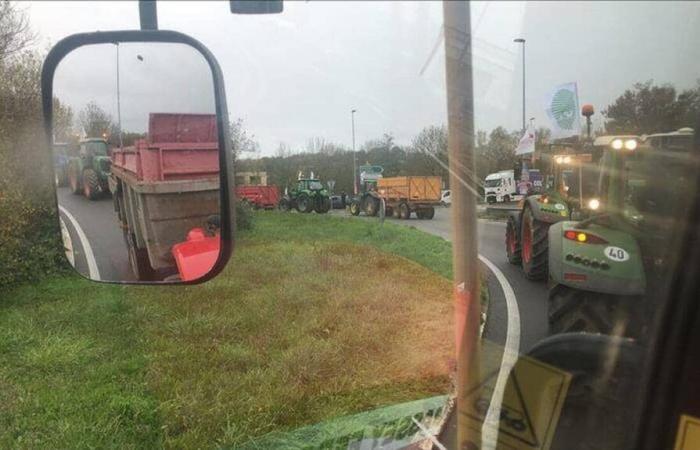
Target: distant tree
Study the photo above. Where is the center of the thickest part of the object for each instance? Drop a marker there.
(15, 33)
(241, 140)
(62, 122)
(95, 122)
(428, 153)
(648, 108)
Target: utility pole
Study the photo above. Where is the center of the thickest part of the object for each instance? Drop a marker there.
(522, 41)
(354, 155)
(119, 106)
(465, 261)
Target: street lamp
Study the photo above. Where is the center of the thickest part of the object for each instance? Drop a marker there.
(119, 106)
(354, 155)
(522, 41)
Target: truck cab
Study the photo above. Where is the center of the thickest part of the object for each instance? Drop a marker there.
(499, 186)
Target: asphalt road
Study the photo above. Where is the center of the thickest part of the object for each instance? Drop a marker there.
(531, 296)
(99, 224)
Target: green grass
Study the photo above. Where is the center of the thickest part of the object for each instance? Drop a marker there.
(315, 317)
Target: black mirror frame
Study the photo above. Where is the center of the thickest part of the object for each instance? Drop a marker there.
(227, 205)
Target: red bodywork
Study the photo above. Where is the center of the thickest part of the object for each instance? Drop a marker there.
(178, 147)
(259, 196)
(196, 256)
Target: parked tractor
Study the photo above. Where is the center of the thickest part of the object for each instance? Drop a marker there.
(88, 173)
(367, 200)
(570, 184)
(308, 195)
(604, 270)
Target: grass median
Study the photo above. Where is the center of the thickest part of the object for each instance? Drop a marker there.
(315, 317)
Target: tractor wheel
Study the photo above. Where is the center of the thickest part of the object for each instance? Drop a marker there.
(322, 204)
(404, 211)
(284, 205)
(513, 250)
(74, 180)
(91, 184)
(371, 206)
(355, 208)
(571, 310)
(304, 204)
(534, 243)
(138, 259)
(429, 213)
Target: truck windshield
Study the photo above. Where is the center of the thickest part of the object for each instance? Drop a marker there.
(493, 183)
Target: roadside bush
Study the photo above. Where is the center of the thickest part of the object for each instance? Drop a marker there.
(244, 216)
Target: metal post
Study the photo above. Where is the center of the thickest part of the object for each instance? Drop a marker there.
(148, 14)
(354, 155)
(522, 41)
(119, 105)
(460, 126)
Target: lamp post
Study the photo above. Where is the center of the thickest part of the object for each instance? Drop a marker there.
(354, 155)
(119, 106)
(522, 41)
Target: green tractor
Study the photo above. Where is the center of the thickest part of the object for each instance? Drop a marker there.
(308, 195)
(367, 200)
(604, 270)
(89, 171)
(570, 183)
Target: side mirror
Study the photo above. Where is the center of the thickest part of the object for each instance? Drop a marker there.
(149, 200)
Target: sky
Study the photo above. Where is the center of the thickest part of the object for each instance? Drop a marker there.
(297, 75)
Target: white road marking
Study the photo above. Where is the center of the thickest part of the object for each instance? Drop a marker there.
(511, 350)
(89, 256)
(67, 242)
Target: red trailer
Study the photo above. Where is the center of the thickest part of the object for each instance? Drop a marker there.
(164, 186)
(259, 197)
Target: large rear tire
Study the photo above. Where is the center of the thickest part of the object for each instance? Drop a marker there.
(572, 310)
(322, 204)
(138, 260)
(304, 204)
(91, 184)
(355, 208)
(513, 249)
(371, 206)
(534, 246)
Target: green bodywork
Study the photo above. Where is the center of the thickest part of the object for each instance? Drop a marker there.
(313, 189)
(93, 155)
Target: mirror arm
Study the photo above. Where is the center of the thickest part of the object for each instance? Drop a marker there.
(148, 14)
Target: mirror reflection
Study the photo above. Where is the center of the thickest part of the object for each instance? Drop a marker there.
(136, 157)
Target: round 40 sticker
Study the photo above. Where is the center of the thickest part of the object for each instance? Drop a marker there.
(616, 254)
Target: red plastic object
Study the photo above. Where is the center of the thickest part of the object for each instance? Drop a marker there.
(178, 147)
(196, 256)
(259, 196)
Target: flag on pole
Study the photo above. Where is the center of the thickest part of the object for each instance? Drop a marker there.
(563, 111)
(527, 142)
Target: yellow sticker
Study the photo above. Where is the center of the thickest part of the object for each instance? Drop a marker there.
(688, 436)
(532, 400)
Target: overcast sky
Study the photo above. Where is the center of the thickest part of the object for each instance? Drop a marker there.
(297, 75)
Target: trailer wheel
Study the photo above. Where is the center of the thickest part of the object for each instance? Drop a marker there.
(91, 184)
(513, 249)
(534, 244)
(355, 208)
(573, 310)
(404, 211)
(420, 214)
(429, 213)
(138, 260)
(304, 204)
(74, 180)
(389, 211)
(283, 205)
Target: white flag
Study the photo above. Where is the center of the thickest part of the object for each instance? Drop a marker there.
(527, 142)
(563, 111)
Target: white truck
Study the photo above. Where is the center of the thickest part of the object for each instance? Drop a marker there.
(500, 187)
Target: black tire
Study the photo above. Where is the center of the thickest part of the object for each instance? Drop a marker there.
(284, 205)
(371, 206)
(138, 260)
(513, 249)
(91, 184)
(389, 211)
(534, 246)
(74, 182)
(304, 204)
(572, 310)
(322, 204)
(420, 214)
(404, 211)
(355, 208)
(429, 213)
(506, 199)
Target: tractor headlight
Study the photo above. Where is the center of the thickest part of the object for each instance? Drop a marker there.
(559, 159)
(567, 159)
(617, 144)
(630, 144)
(594, 204)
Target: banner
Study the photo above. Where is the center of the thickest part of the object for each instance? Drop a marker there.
(563, 111)
(527, 142)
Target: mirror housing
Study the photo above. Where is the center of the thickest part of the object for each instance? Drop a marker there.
(256, 6)
(218, 158)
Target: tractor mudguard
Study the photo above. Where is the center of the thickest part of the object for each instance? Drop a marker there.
(551, 212)
(608, 262)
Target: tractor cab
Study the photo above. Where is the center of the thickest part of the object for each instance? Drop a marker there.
(309, 184)
(88, 173)
(572, 177)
